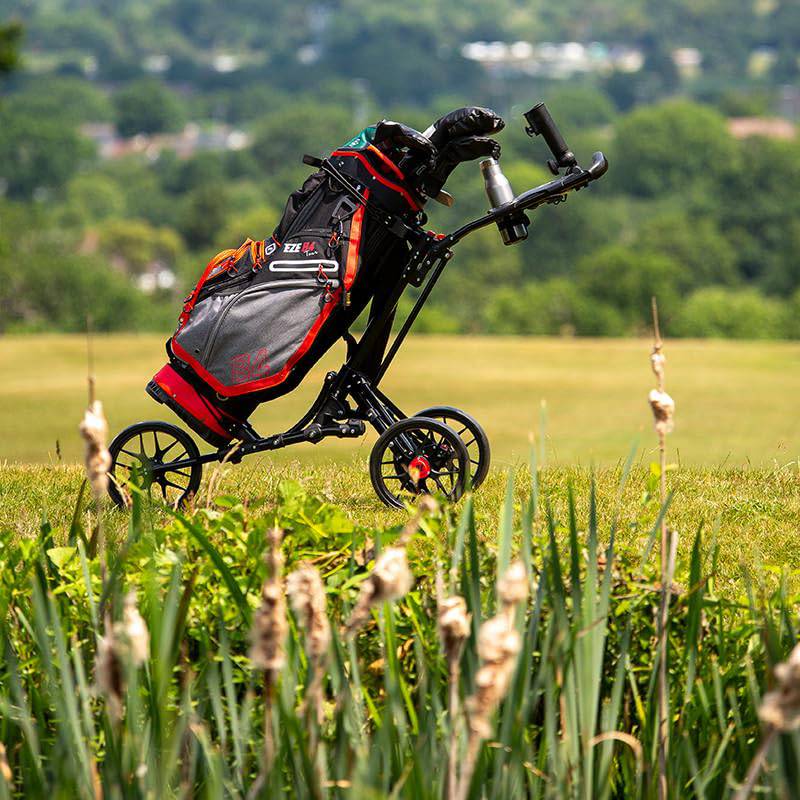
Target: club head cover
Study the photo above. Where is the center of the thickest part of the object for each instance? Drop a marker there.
(466, 148)
(394, 137)
(467, 121)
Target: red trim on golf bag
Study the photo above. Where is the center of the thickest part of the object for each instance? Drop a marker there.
(375, 174)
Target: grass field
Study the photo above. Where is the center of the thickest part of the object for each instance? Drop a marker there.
(736, 440)
(736, 402)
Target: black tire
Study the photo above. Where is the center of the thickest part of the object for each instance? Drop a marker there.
(440, 451)
(472, 434)
(145, 445)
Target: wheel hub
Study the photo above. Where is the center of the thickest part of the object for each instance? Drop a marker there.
(419, 468)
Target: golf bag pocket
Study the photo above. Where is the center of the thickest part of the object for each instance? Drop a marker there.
(245, 337)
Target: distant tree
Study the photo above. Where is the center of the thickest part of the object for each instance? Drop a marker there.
(625, 279)
(204, 212)
(76, 285)
(10, 37)
(38, 153)
(286, 134)
(552, 307)
(669, 148)
(580, 107)
(135, 245)
(148, 106)
(731, 313)
(71, 101)
(256, 223)
(694, 242)
(93, 197)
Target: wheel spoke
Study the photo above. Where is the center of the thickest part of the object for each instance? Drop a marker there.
(132, 455)
(168, 482)
(169, 447)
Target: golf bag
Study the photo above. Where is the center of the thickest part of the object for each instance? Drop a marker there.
(262, 315)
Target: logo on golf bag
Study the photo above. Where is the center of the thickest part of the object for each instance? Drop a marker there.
(306, 248)
(249, 366)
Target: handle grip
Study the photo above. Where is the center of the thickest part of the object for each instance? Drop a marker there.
(541, 123)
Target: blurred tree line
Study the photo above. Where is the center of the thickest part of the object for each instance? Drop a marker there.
(709, 223)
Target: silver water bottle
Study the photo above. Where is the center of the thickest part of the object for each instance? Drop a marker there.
(512, 229)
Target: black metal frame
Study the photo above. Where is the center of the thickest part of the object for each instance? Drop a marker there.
(332, 414)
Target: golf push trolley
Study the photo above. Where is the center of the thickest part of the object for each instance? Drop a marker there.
(438, 450)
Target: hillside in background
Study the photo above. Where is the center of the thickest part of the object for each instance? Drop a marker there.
(137, 139)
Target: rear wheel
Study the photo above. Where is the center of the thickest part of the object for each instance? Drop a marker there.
(146, 447)
(418, 456)
(472, 434)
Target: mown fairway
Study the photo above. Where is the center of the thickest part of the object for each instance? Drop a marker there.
(736, 402)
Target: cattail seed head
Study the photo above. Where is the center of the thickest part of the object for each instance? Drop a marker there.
(512, 587)
(269, 627)
(427, 505)
(658, 362)
(390, 579)
(307, 596)
(94, 430)
(780, 707)
(663, 407)
(109, 673)
(498, 646)
(5, 769)
(454, 623)
(132, 631)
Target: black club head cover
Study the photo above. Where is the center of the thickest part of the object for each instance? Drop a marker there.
(465, 148)
(394, 137)
(467, 121)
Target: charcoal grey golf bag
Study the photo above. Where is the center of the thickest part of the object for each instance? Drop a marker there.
(262, 315)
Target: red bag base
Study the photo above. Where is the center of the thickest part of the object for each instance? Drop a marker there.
(205, 419)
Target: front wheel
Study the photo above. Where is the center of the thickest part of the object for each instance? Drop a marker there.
(472, 434)
(146, 448)
(418, 456)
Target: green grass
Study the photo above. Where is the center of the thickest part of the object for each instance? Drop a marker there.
(736, 402)
(753, 511)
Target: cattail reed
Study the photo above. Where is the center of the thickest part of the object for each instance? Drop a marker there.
(307, 596)
(110, 673)
(133, 631)
(453, 622)
(267, 650)
(5, 769)
(126, 643)
(499, 644)
(663, 408)
(390, 578)
(779, 712)
(94, 430)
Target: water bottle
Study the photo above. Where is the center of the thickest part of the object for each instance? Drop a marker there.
(513, 229)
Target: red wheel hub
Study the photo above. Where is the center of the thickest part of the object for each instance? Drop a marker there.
(419, 468)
